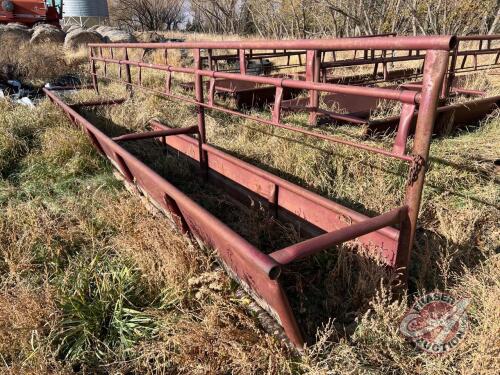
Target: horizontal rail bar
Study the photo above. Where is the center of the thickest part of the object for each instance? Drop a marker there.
(325, 137)
(478, 52)
(446, 42)
(154, 134)
(478, 37)
(354, 62)
(327, 240)
(457, 90)
(67, 88)
(374, 92)
(393, 59)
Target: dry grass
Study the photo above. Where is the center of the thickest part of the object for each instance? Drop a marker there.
(35, 64)
(78, 251)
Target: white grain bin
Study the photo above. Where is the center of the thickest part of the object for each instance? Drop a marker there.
(85, 12)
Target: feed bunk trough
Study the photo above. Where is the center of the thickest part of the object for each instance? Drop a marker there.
(249, 94)
(450, 116)
(389, 236)
(354, 110)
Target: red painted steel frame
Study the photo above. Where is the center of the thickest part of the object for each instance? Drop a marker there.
(256, 271)
(249, 94)
(450, 116)
(383, 57)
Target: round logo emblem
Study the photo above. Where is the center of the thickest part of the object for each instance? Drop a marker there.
(436, 323)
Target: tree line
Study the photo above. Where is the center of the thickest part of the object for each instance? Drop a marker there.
(310, 18)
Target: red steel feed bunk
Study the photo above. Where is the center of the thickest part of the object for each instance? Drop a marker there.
(356, 111)
(450, 116)
(389, 236)
(369, 57)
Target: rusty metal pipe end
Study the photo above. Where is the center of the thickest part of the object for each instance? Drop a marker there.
(274, 272)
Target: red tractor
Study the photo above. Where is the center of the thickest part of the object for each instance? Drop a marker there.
(30, 12)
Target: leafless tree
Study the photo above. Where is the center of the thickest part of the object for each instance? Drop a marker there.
(341, 18)
(147, 14)
(220, 16)
(311, 18)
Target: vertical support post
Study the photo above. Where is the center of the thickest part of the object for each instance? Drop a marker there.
(278, 98)
(312, 75)
(243, 63)
(198, 88)
(93, 70)
(211, 92)
(143, 56)
(101, 55)
(463, 61)
(168, 82)
(168, 75)
(120, 70)
(274, 202)
(375, 71)
(405, 121)
(384, 65)
(444, 86)
(436, 63)
(210, 59)
(128, 75)
(448, 82)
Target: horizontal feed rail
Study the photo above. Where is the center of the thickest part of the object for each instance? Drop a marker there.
(467, 47)
(480, 45)
(471, 46)
(213, 60)
(261, 278)
(408, 97)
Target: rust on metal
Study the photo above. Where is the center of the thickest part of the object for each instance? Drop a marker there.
(252, 94)
(388, 235)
